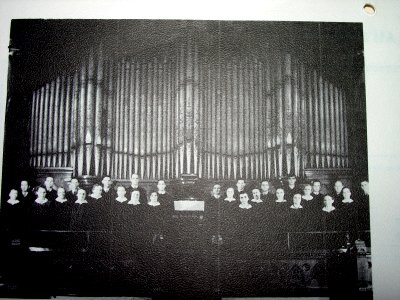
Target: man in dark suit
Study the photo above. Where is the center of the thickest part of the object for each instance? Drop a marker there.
(108, 193)
(51, 192)
(25, 195)
(291, 188)
(72, 194)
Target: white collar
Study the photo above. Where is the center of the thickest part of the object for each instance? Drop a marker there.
(328, 210)
(63, 200)
(296, 207)
(280, 201)
(81, 202)
(12, 202)
(134, 202)
(97, 198)
(256, 201)
(230, 199)
(153, 203)
(245, 206)
(162, 193)
(308, 198)
(41, 201)
(347, 200)
(121, 199)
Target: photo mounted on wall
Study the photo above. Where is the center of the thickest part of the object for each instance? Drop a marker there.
(182, 158)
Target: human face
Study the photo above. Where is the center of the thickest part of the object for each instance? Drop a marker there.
(297, 199)
(135, 180)
(244, 198)
(365, 187)
(13, 194)
(161, 185)
(292, 180)
(74, 184)
(216, 190)
(97, 190)
(81, 195)
(153, 197)
(264, 186)
(121, 192)
(135, 195)
(328, 200)
(24, 185)
(307, 190)
(41, 193)
(49, 182)
(106, 182)
(230, 192)
(61, 193)
(316, 187)
(240, 185)
(256, 194)
(346, 193)
(338, 186)
(280, 193)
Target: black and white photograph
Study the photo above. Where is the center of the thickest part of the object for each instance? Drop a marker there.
(185, 159)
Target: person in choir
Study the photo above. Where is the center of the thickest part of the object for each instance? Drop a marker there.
(108, 192)
(40, 211)
(51, 191)
(25, 194)
(347, 212)
(307, 190)
(266, 194)
(346, 195)
(61, 211)
(100, 209)
(316, 192)
(167, 201)
(135, 198)
(279, 211)
(297, 221)
(291, 187)
(135, 187)
(120, 223)
(80, 212)
(244, 201)
(154, 216)
(13, 213)
(121, 194)
(245, 233)
(338, 187)
(329, 220)
(97, 191)
(73, 190)
(363, 206)
(240, 187)
(137, 232)
(230, 195)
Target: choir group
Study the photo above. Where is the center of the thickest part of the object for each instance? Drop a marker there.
(234, 215)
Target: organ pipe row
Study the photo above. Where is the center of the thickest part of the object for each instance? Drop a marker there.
(194, 109)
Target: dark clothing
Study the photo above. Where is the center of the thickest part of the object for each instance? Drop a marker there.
(363, 212)
(27, 199)
(278, 216)
(51, 194)
(60, 215)
(80, 217)
(72, 196)
(40, 216)
(236, 195)
(212, 213)
(297, 219)
(142, 192)
(109, 196)
(99, 214)
(290, 192)
(120, 226)
(337, 199)
(168, 202)
(312, 210)
(14, 218)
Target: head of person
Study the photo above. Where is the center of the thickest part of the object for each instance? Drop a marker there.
(49, 182)
(346, 193)
(135, 196)
(256, 194)
(280, 193)
(296, 199)
(240, 185)
(216, 191)
(161, 186)
(74, 184)
(40, 192)
(338, 186)
(365, 187)
(230, 192)
(24, 186)
(307, 190)
(13, 194)
(244, 198)
(106, 182)
(316, 186)
(81, 194)
(96, 190)
(328, 201)
(121, 191)
(264, 186)
(61, 193)
(153, 197)
(291, 179)
(135, 180)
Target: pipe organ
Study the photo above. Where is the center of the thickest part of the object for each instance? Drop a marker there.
(209, 109)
